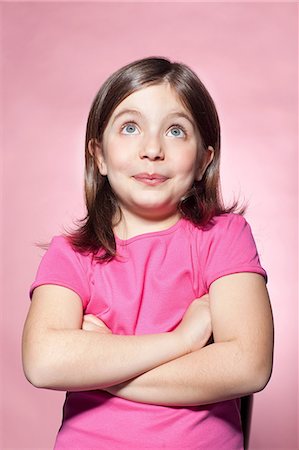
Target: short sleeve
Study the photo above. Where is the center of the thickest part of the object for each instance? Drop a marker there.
(230, 248)
(61, 265)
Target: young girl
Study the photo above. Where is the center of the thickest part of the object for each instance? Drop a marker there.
(123, 308)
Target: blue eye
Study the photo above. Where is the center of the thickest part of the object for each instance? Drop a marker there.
(178, 131)
(129, 128)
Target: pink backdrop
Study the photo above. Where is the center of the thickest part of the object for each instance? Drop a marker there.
(56, 55)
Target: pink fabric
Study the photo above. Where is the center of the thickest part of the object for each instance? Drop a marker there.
(147, 290)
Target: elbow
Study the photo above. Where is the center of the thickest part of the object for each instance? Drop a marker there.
(36, 367)
(42, 377)
(257, 376)
(34, 378)
(40, 362)
(259, 381)
(36, 374)
(263, 378)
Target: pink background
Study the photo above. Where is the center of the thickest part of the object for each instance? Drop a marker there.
(56, 55)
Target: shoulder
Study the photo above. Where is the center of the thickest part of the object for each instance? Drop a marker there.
(223, 234)
(226, 222)
(228, 229)
(220, 226)
(63, 243)
(227, 246)
(60, 241)
(60, 247)
(62, 265)
(60, 250)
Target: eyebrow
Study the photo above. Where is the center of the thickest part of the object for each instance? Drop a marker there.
(138, 113)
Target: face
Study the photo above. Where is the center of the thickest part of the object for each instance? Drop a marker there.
(151, 152)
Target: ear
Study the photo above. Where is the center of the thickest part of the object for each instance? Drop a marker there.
(96, 151)
(206, 159)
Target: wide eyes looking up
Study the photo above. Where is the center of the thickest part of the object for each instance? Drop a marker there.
(130, 128)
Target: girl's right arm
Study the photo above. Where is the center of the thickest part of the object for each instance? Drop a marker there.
(58, 354)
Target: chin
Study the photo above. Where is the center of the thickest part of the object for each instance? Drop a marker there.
(155, 210)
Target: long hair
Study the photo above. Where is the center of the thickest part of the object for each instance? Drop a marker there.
(201, 203)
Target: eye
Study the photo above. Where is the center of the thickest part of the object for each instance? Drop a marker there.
(178, 131)
(129, 128)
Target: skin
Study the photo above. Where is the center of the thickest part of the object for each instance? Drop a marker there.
(231, 367)
(56, 350)
(151, 138)
(175, 368)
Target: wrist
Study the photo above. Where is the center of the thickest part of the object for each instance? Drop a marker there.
(181, 343)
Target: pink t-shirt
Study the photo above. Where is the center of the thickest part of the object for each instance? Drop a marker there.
(147, 289)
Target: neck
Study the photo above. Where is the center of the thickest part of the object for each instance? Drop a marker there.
(130, 225)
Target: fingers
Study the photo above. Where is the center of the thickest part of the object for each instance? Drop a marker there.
(93, 319)
(204, 297)
(93, 323)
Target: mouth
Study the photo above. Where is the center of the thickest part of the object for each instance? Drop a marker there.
(150, 179)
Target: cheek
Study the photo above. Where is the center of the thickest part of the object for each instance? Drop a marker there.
(119, 153)
(118, 163)
(186, 161)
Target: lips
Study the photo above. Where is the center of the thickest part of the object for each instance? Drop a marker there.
(150, 178)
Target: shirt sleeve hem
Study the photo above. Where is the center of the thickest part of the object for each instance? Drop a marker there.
(249, 269)
(58, 283)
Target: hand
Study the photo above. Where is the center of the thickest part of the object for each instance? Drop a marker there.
(195, 327)
(93, 323)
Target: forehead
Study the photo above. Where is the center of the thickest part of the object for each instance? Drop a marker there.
(160, 97)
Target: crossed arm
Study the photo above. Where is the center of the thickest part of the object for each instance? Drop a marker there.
(163, 368)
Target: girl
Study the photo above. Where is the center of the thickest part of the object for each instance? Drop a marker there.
(122, 308)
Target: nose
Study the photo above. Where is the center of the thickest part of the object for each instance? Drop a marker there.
(152, 149)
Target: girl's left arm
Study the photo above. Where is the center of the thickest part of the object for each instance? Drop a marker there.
(239, 362)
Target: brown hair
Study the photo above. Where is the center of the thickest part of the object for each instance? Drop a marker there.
(200, 204)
